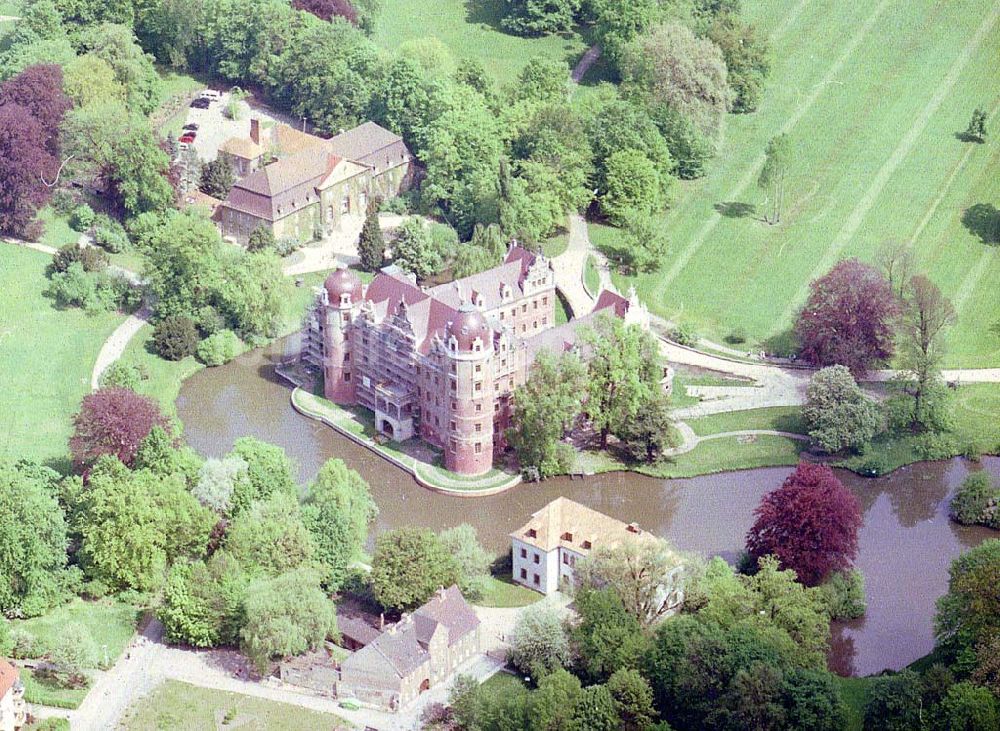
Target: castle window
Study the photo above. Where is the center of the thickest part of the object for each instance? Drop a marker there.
(524, 307)
(454, 404)
(524, 554)
(347, 357)
(479, 385)
(451, 425)
(437, 421)
(511, 383)
(545, 320)
(534, 304)
(479, 426)
(536, 580)
(453, 386)
(501, 314)
(479, 448)
(496, 407)
(503, 363)
(545, 301)
(479, 407)
(523, 327)
(454, 368)
(479, 367)
(347, 377)
(536, 558)
(524, 573)
(534, 324)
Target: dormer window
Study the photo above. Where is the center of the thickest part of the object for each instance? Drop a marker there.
(586, 545)
(567, 536)
(532, 533)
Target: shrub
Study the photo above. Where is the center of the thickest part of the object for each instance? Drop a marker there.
(973, 451)
(74, 651)
(82, 217)
(285, 246)
(209, 321)
(23, 645)
(110, 236)
(398, 206)
(91, 259)
(844, 594)
(683, 335)
(873, 465)
(934, 446)
(63, 202)
(175, 337)
(219, 348)
(34, 231)
(737, 336)
(837, 413)
(261, 239)
(123, 375)
(977, 501)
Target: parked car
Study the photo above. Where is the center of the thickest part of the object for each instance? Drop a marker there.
(188, 138)
(211, 95)
(191, 127)
(200, 103)
(351, 704)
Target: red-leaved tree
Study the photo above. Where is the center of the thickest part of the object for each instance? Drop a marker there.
(39, 90)
(328, 9)
(848, 319)
(810, 524)
(23, 162)
(112, 421)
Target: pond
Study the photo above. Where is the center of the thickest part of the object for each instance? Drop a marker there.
(906, 544)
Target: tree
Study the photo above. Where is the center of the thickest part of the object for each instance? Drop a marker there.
(183, 263)
(328, 9)
(216, 480)
(409, 565)
(539, 17)
(554, 702)
(23, 163)
(39, 89)
(175, 337)
(203, 601)
(895, 259)
(650, 434)
(285, 615)
(270, 538)
(977, 126)
(542, 80)
(161, 454)
(624, 373)
(970, 708)
(670, 67)
(968, 616)
(632, 187)
(810, 524)
(217, 177)
(88, 79)
(337, 509)
(618, 22)
(252, 293)
(539, 644)
(894, 702)
(73, 652)
(544, 409)
(371, 243)
(595, 711)
(644, 244)
(926, 315)
(33, 537)
(269, 472)
(848, 319)
(133, 524)
(647, 575)
(134, 70)
(472, 559)
(838, 414)
(261, 239)
(413, 249)
(747, 55)
(633, 699)
(607, 638)
(218, 348)
(112, 421)
(772, 176)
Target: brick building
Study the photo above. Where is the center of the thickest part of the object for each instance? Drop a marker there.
(441, 363)
(13, 712)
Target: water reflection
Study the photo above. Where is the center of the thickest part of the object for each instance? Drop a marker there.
(906, 543)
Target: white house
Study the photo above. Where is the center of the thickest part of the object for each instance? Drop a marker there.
(12, 707)
(547, 547)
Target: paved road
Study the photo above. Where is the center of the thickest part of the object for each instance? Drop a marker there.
(116, 343)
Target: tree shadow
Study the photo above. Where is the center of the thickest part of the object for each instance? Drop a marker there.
(983, 220)
(966, 137)
(486, 12)
(735, 209)
(782, 344)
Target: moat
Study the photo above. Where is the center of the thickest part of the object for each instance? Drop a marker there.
(907, 541)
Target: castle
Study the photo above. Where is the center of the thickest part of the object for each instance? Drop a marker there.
(441, 363)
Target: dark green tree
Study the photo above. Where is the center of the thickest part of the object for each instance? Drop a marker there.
(371, 244)
(977, 126)
(894, 702)
(217, 177)
(269, 472)
(838, 414)
(176, 337)
(409, 565)
(773, 175)
(607, 637)
(269, 538)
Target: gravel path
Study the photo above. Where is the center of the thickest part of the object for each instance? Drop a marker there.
(116, 343)
(583, 65)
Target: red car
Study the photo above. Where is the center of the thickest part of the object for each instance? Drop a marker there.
(188, 137)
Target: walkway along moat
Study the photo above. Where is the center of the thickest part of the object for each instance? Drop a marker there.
(907, 541)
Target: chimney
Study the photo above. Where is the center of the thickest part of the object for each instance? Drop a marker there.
(255, 130)
(633, 528)
(441, 593)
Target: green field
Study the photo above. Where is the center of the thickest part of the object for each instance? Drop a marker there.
(873, 95)
(110, 622)
(503, 592)
(48, 355)
(471, 29)
(176, 705)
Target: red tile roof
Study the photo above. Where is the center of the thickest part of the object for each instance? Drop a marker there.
(8, 677)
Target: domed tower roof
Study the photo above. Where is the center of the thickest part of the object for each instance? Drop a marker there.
(469, 326)
(343, 281)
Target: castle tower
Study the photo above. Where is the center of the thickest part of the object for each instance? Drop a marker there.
(469, 346)
(343, 293)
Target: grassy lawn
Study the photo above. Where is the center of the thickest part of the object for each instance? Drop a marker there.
(562, 309)
(591, 277)
(777, 418)
(854, 693)
(57, 230)
(872, 113)
(556, 245)
(503, 592)
(111, 623)
(48, 355)
(717, 455)
(10, 7)
(176, 705)
(37, 690)
(501, 683)
(471, 30)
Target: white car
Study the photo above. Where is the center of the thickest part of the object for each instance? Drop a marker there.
(211, 95)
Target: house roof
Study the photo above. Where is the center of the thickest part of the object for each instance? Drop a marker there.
(567, 524)
(403, 647)
(9, 676)
(290, 141)
(356, 629)
(284, 186)
(370, 144)
(564, 337)
(427, 315)
(242, 147)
